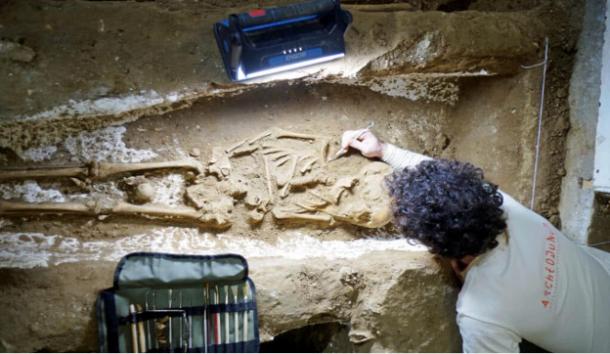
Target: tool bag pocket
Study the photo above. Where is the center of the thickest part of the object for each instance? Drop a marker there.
(179, 303)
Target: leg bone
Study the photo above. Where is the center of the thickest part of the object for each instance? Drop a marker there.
(101, 170)
(82, 171)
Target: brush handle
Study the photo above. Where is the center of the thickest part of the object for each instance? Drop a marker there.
(134, 329)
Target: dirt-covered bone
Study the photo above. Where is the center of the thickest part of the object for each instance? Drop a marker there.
(219, 164)
(361, 200)
(216, 199)
(290, 215)
(102, 170)
(105, 208)
(51, 172)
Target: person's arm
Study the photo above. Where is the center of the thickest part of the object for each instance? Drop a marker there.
(482, 337)
(400, 158)
(370, 146)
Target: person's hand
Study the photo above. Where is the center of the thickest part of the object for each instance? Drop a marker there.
(362, 140)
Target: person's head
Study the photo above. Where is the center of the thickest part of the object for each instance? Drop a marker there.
(447, 206)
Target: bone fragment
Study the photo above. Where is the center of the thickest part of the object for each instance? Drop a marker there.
(80, 183)
(235, 186)
(219, 164)
(286, 189)
(307, 207)
(272, 150)
(258, 137)
(243, 151)
(308, 165)
(280, 156)
(269, 181)
(342, 184)
(235, 146)
(324, 151)
(253, 200)
(281, 133)
(283, 161)
(255, 216)
(288, 215)
(321, 197)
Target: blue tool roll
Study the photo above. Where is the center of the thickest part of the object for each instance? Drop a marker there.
(179, 303)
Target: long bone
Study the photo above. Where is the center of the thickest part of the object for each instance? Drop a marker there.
(80, 171)
(281, 133)
(118, 208)
(270, 187)
(12, 208)
(100, 170)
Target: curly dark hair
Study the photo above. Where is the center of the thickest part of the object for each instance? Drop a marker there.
(447, 206)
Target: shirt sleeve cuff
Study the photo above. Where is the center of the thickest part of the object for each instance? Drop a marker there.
(400, 158)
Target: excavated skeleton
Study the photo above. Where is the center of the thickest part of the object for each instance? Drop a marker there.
(294, 181)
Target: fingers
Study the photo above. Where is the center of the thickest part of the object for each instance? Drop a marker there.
(348, 137)
(358, 145)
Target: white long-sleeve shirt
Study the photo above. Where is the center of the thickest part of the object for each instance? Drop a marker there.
(536, 284)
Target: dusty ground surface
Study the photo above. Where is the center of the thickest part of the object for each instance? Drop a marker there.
(75, 89)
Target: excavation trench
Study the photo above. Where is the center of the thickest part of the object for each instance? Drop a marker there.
(481, 126)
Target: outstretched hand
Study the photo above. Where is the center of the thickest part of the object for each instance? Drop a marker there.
(362, 140)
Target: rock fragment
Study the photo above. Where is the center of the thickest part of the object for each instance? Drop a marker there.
(16, 52)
